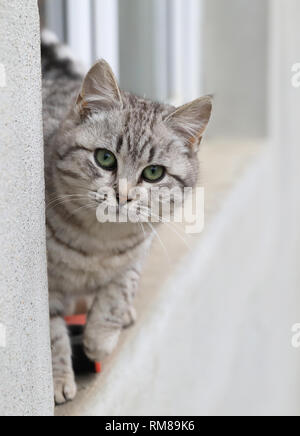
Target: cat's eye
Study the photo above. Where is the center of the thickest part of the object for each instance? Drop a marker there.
(154, 173)
(106, 159)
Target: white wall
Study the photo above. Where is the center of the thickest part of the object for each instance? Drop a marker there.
(25, 369)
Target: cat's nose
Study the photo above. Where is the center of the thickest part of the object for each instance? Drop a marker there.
(123, 200)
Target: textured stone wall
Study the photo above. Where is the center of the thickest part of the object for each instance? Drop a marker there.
(25, 370)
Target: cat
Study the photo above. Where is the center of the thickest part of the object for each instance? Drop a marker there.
(95, 135)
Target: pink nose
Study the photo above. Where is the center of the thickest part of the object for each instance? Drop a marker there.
(123, 200)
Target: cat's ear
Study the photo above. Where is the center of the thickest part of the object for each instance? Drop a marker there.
(100, 90)
(190, 121)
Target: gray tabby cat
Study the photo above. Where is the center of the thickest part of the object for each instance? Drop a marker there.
(95, 135)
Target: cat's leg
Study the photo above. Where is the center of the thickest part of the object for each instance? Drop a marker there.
(63, 375)
(111, 312)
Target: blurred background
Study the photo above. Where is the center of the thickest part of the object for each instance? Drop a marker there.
(178, 50)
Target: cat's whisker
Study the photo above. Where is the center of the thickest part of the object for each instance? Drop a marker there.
(64, 201)
(179, 235)
(86, 191)
(86, 207)
(143, 229)
(160, 241)
(65, 197)
(61, 203)
(91, 195)
(169, 226)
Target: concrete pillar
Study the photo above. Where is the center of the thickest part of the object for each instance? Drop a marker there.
(25, 363)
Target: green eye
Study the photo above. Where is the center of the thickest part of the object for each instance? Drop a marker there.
(106, 159)
(154, 173)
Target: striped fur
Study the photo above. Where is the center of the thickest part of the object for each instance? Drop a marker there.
(100, 262)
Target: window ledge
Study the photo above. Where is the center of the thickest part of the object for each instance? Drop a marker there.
(152, 371)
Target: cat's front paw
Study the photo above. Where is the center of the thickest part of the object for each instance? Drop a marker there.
(65, 389)
(99, 342)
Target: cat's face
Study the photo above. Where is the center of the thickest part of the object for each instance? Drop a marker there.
(122, 150)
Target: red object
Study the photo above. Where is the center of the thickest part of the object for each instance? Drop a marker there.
(76, 320)
(98, 368)
(80, 320)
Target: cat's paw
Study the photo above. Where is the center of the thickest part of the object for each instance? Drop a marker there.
(100, 342)
(65, 389)
(129, 318)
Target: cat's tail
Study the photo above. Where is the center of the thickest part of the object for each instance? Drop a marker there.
(57, 59)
